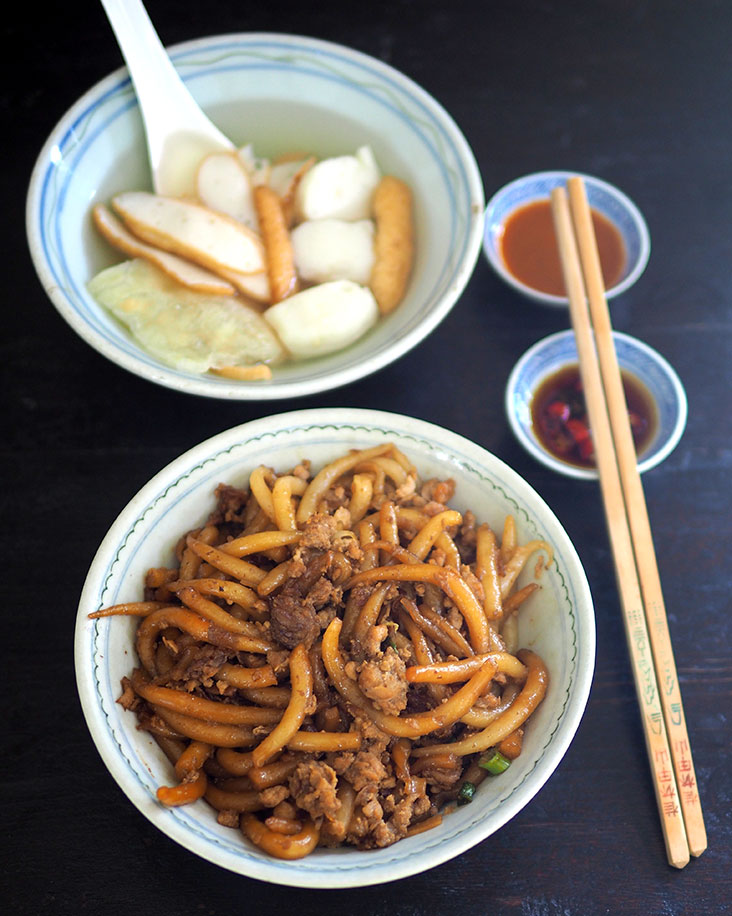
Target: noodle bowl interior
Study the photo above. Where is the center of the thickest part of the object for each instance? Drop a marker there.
(334, 657)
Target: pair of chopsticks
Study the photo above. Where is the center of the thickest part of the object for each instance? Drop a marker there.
(639, 584)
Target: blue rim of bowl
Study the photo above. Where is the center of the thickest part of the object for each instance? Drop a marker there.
(533, 447)
(436, 127)
(560, 176)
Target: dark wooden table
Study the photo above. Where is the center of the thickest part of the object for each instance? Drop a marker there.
(638, 93)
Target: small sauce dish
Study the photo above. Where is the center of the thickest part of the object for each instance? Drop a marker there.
(519, 243)
(657, 398)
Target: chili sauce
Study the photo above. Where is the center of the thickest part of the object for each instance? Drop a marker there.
(529, 248)
(560, 422)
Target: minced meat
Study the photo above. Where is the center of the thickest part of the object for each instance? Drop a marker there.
(313, 786)
(383, 681)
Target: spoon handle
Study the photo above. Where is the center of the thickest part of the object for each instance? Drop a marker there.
(169, 112)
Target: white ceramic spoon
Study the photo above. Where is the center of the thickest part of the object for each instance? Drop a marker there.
(179, 134)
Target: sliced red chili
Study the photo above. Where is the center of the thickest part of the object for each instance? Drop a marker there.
(586, 448)
(578, 429)
(559, 409)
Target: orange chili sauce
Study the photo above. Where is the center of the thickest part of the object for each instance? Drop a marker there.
(560, 422)
(529, 249)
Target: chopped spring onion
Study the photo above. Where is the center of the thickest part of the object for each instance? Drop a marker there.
(466, 793)
(496, 763)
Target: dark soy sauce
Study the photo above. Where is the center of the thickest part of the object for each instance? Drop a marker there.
(560, 422)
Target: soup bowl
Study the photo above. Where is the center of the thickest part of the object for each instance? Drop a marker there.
(556, 621)
(280, 93)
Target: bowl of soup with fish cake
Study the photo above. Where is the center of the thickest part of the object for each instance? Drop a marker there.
(280, 96)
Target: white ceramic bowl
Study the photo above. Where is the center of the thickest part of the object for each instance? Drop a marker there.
(603, 197)
(557, 622)
(281, 92)
(552, 353)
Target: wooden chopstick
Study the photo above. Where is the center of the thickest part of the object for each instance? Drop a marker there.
(664, 773)
(640, 528)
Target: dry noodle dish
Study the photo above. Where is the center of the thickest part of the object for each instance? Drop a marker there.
(333, 659)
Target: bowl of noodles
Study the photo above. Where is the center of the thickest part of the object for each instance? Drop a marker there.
(281, 99)
(333, 648)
